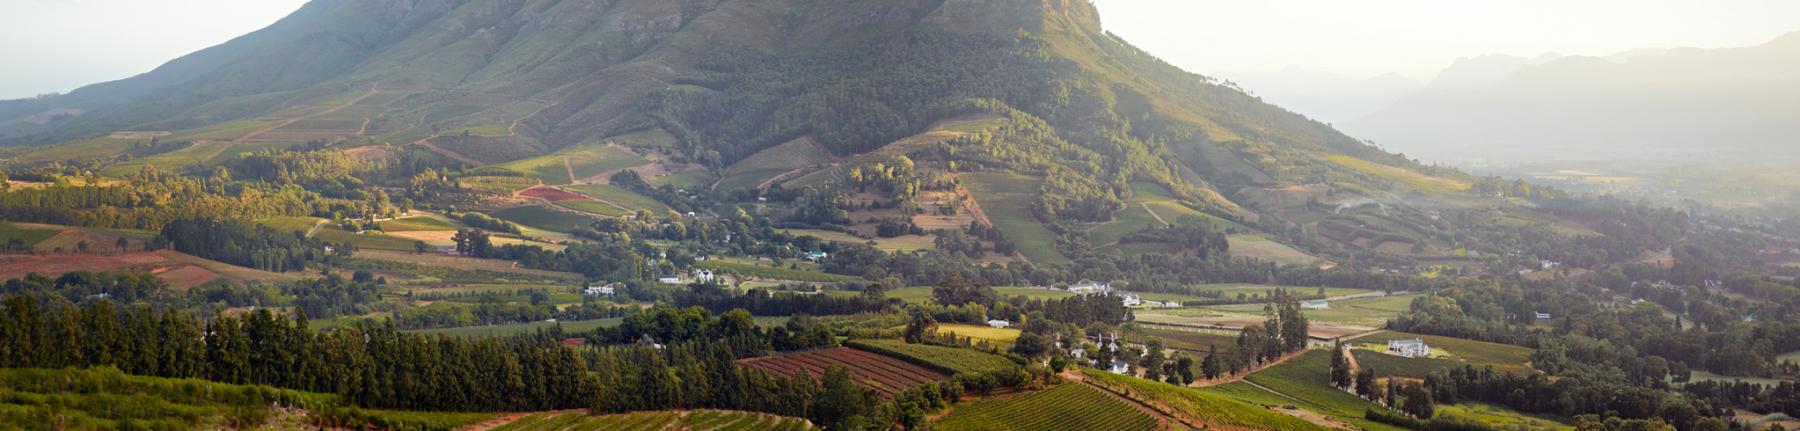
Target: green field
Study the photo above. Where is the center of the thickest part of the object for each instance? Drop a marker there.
(104, 398)
(1007, 201)
(497, 184)
(1501, 417)
(1070, 406)
(1194, 342)
(1305, 379)
(545, 218)
(596, 207)
(771, 272)
(369, 240)
(78, 150)
(1386, 365)
(1503, 357)
(1793, 357)
(584, 160)
(621, 197)
(26, 237)
(1202, 407)
(772, 161)
(1259, 247)
(418, 223)
(658, 420)
(954, 360)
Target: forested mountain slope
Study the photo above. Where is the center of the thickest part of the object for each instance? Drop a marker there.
(710, 83)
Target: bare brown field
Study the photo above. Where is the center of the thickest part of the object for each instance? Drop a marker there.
(180, 270)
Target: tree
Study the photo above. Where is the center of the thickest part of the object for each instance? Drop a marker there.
(953, 289)
(920, 326)
(419, 247)
(1340, 366)
(1416, 401)
(841, 404)
(1210, 366)
(1153, 359)
(1365, 385)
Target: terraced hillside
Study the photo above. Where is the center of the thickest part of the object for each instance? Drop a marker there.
(878, 372)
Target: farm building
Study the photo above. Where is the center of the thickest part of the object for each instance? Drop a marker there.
(607, 290)
(703, 275)
(1543, 316)
(1317, 304)
(1089, 286)
(669, 279)
(1414, 348)
(1131, 300)
(997, 323)
(1119, 367)
(816, 255)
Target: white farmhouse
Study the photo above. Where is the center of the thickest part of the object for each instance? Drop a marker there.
(1131, 300)
(669, 279)
(1089, 286)
(1543, 316)
(703, 275)
(1119, 367)
(997, 323)
(1414, 348)
(608, 290)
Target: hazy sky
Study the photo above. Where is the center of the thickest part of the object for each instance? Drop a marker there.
(1417, 38)
(58, 45)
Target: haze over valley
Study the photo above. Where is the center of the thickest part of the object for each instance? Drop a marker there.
(901, 215)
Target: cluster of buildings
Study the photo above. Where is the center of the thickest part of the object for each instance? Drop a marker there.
(1090, 287)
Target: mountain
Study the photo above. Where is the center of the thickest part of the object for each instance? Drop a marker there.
(1660, 105)
(743, 95)
(1479, 72)
(1327, 96)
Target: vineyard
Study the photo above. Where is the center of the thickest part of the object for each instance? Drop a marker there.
(696, 420)
(1196, 406)
(947, 359)
(880, 373)
(1065, 407)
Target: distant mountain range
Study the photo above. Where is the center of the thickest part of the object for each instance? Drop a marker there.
(1649, 104)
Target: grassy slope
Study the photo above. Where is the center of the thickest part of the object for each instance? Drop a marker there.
(1503, 357)
(770, 162)
(621, 197)
(544, 218)
(586, 160)
(1007, 201)
(104, 398)
(1208, 408)
(1306, 380)
(28, 237)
